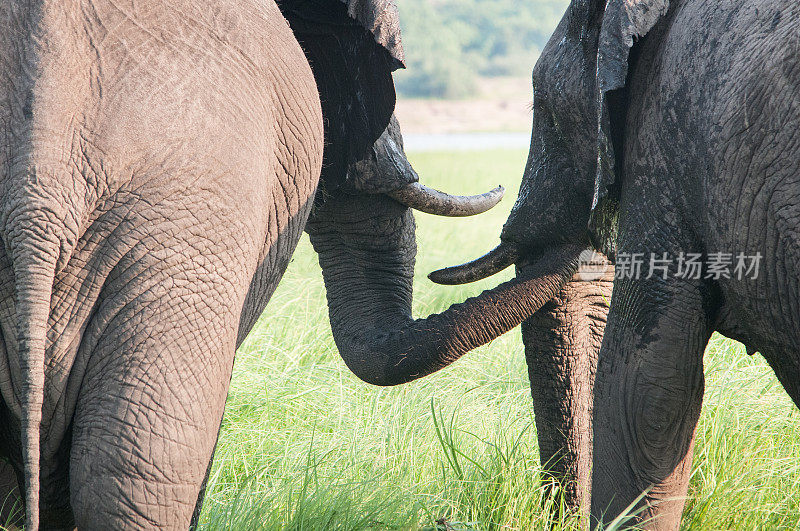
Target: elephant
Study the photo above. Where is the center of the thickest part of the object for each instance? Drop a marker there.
(666, 131)
(160, 161)
(562, 343)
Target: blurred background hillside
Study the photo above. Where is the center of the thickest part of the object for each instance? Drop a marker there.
(469, 62)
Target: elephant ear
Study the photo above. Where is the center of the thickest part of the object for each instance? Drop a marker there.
(624, 21)
(381, 19)
(385, 167)
(353, 46)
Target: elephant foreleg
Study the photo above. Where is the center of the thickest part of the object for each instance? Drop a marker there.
(648, 395)
(562, 342)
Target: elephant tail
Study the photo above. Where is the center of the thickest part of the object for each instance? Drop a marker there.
(34, 262)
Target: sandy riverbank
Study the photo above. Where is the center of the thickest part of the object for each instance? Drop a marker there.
(501, 105)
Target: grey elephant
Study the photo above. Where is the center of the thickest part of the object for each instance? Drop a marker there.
(665, 130)
(158, 163)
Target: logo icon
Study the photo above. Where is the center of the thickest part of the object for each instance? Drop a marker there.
(592, 265)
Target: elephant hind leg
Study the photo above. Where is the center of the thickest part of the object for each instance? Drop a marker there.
(648, 396)
(157, 358)
(198, 506)
(144, 431)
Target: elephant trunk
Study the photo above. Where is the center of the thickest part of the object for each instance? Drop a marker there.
(562, 344)
(367, 251)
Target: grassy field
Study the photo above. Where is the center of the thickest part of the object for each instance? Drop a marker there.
(305, 445)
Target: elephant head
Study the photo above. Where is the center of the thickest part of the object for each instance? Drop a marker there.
(571, 184)
(364, 233)
(362, 226)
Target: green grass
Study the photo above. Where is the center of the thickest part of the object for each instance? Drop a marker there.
(305, 445)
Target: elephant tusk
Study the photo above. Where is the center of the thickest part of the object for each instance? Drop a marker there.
(420, 197)
(499, 258)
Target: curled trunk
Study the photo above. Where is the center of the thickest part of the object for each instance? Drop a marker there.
(366, 249)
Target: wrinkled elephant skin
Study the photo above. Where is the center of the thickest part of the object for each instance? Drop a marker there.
(158, 163)
(562, 342)
(662, 129)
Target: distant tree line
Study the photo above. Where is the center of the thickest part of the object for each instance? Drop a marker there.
(450, 43)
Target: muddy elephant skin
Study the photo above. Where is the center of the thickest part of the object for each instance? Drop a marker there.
(663, 129)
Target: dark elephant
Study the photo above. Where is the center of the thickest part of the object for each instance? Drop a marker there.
(158, 163)
(666, 132)
(562, 344)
